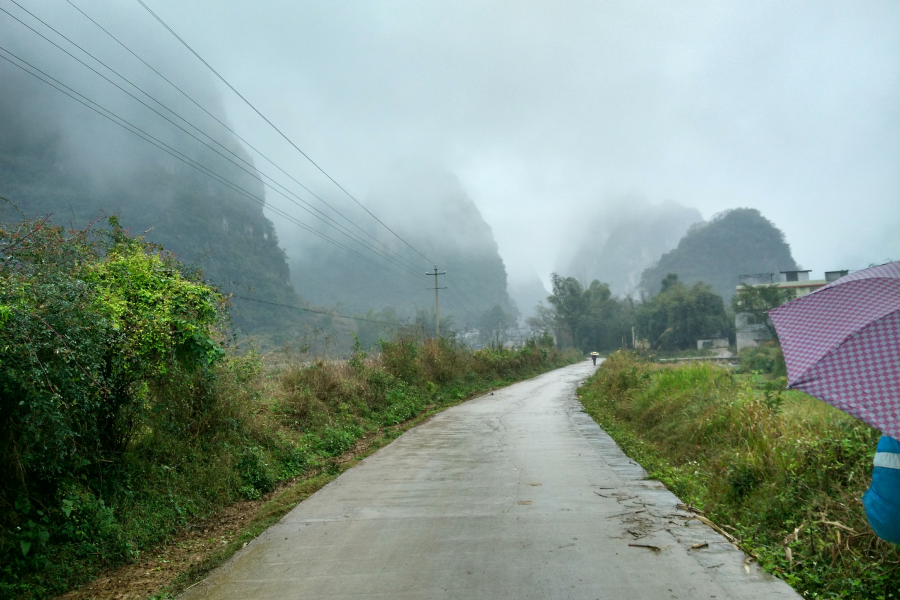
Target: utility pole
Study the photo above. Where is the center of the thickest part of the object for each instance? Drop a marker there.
(500, 333)
(437, 306)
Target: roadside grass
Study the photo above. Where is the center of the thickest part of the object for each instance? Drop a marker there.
(781, 470)
(238, 431)
(285, 501)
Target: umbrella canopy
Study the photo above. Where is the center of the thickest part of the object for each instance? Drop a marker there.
(841, 344)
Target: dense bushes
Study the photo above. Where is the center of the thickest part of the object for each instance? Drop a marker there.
(123, 419)
(95, 324)
(586, 318)
(591, 319)
(782, 469)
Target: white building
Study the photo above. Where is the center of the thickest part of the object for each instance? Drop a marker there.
(749, 332)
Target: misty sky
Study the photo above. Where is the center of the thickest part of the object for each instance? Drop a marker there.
(545, 111)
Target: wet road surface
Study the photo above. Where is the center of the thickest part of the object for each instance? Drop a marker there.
(517, 494)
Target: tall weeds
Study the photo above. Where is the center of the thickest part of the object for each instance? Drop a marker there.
(782, 469)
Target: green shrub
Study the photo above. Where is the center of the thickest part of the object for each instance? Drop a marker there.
(94, 322)
(763, 359)
(255, 474)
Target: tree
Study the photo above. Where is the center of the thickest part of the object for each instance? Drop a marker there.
(544, 321)
(492, 320)
(589, 319)
(605, 322)
(568, 300)
(753, 302)
(679, 315)
(92, 324)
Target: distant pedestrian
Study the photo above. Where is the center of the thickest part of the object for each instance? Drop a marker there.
(594, 356)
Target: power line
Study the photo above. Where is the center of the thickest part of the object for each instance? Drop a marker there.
(248, 103)
(229, 129)
(462, 296)
(320, 312)
(459, 297)
(459, 289)
(128, 126)
(254, 173)
(437, 306)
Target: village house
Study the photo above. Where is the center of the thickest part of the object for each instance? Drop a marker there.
(749, 333)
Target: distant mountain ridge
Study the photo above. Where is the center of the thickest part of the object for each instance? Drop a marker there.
(429, 209)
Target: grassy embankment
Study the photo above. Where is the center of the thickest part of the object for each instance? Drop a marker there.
(781, 470)
(255, 426)
(124, 419)
(238, 433)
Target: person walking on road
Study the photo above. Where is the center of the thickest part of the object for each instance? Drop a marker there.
(594, 356)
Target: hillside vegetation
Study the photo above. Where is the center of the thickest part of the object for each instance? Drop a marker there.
(591, 319)
(781, 470)
(124, 417)
(734, 243)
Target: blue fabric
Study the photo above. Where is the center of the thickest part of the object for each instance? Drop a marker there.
(882, 499)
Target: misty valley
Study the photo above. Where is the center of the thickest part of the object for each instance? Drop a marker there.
(246, 249)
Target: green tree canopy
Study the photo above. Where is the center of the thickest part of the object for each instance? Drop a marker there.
(753, 302)
(589, 319)
(92, 320)
(680, 315)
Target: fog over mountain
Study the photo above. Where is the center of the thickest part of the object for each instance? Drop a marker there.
(733, 243)
(544, 110)
(428, 208)
(527, 294)
(625, 237)
(498, 138)
(59, 158)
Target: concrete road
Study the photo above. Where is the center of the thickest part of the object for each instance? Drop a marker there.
(517, 494)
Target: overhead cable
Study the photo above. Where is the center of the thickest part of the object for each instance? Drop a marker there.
(253, 172)
(320, 312)
(128, 126)
(226, 127)
(281, 133)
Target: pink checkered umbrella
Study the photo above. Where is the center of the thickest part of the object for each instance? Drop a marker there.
(841, 344)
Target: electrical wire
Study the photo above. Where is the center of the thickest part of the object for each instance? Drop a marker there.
(457, 294)
(459, 289)
(289, 141)
(229, 129)
(109, 115)
(255, 173)
(320, 312)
